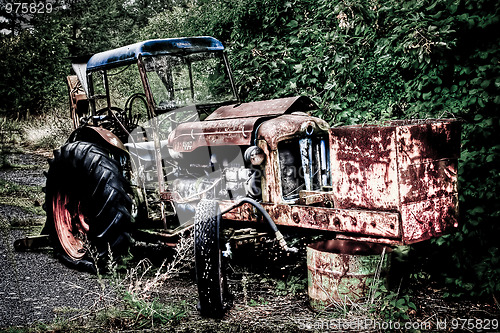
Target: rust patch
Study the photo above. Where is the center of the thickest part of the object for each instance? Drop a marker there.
(430, 180)
(351, 221)
(429, 218)
(363, 164)
(406, 166)
(428, 140)
(244, 212)
(271, 189)
(428, 154)
(97, 133)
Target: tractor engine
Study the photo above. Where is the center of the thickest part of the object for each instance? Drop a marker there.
(216, 173)
(268, 151)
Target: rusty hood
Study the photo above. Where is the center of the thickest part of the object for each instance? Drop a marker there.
(234, 124)
(273, 107)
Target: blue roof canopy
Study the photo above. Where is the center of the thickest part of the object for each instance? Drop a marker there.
(129, 54)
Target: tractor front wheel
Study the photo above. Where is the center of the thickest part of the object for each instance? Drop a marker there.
(208, 259)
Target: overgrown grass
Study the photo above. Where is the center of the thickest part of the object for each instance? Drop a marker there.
(47, 131)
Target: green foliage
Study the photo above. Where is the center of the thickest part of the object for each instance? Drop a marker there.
(293, 285)
(139, 314)
(29, 79)
(35, 59)
(391, 306)
(260, 301)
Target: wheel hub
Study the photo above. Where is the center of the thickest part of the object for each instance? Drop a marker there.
(70, 225)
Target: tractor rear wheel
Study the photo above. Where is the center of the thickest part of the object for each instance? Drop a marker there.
(88, 204)
(208, 259)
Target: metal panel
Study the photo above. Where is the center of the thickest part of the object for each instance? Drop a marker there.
(362, 222)
(407, 166)
(189, 136)
(364, 170)
(428, 152)
(425, 219)
(287, 127)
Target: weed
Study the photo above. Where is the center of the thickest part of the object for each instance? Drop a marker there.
(391, 305)
(140, 313)
(260, 301)
(291, 286)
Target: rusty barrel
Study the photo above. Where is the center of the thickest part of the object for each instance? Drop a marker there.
(341, 270)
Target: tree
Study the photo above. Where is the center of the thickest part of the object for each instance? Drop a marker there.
(37, 50)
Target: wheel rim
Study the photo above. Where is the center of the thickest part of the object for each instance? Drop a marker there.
(70, 225)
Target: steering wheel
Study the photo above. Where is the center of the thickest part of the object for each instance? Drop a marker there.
(104, 110)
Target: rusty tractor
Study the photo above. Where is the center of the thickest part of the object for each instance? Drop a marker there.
(162, 144)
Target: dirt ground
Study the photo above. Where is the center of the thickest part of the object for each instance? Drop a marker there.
(35, 287)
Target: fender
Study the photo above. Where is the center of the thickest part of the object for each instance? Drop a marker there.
(97, 135)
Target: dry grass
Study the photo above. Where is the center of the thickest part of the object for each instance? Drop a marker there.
(141, 286)
(48, 131)
(127, 300)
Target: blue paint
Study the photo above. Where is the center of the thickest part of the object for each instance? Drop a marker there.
(129, 54)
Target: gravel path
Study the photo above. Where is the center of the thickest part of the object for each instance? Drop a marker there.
(34, 286)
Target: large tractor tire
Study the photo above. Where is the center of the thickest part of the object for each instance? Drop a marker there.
(88, 204)
(208, 259)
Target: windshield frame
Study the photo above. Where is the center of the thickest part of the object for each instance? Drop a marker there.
(155, 110)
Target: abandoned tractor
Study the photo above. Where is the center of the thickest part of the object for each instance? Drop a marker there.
(162, 143)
